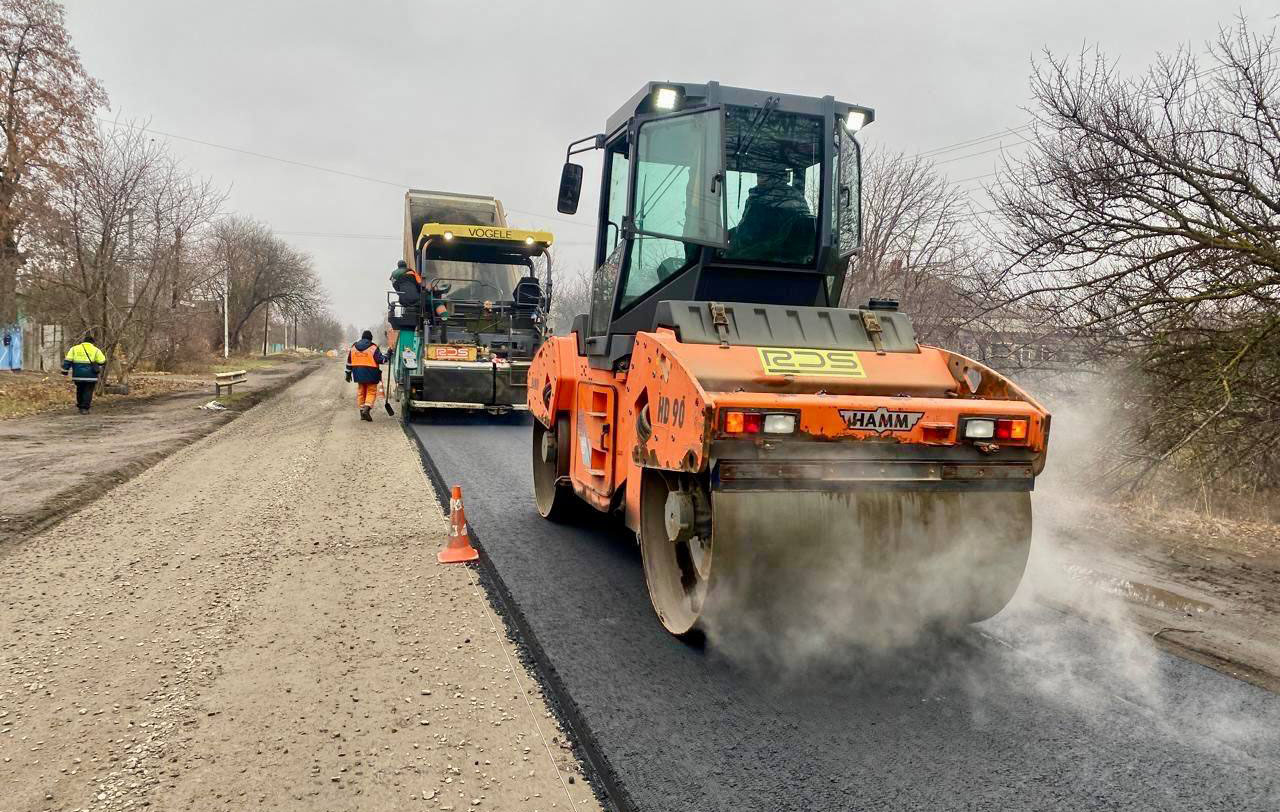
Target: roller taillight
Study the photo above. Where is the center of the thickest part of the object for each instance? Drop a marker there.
(1009, 429)
(743, 422)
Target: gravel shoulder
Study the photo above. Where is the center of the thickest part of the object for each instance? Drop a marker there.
(258, 621)
(55, 462)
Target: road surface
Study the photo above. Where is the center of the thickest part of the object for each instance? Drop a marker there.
(259, 622)
(1034, 710)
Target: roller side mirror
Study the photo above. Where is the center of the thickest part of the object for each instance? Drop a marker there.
(570, 189)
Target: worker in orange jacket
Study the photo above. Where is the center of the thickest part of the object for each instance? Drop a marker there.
(364, 365)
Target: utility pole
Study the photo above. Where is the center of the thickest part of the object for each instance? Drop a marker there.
(129, 261)
(266, 326)
(226, 288)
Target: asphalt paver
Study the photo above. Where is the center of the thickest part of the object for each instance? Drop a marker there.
(1034, 710)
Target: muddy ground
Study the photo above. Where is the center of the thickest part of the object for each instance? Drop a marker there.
(55, 462)
(1207, 590)
(259, 622)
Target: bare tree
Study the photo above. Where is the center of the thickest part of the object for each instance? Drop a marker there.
(918, 244)
(570, 297)
(1147, 214)
(319, 330)
(47, 104)
(111, 254)
(263, 271)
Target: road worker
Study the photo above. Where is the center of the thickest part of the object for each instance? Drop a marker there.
(84, 362)
(407, 283)
(364, 366)
(773, 209)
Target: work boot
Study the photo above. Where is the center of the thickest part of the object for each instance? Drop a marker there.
(364, 413)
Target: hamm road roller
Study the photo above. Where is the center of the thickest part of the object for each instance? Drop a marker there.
(757, 437)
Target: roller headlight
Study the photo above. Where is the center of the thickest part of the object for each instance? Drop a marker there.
(665, 98)
(979, 429)
(779, 424)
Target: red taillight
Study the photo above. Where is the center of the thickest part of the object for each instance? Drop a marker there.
(743, 422)
(1011, 429)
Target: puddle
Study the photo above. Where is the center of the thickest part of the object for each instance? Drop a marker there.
(1138, 592)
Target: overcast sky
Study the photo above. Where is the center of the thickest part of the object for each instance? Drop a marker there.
(483, 97)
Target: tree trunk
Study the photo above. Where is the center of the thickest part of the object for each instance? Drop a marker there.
(10, 260)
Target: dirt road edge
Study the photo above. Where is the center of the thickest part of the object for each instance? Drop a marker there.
(1206, 655)
(85, 493)
(603, 778)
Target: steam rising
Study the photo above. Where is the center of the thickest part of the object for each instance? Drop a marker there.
(828, 603)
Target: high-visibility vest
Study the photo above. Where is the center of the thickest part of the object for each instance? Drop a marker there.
(85, 353)
(363, 358)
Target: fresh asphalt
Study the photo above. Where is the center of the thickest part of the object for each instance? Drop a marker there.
(1033, 710)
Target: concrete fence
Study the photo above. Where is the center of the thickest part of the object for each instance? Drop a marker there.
(31, 346)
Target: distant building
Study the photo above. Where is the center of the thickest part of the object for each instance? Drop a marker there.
(1009, 339)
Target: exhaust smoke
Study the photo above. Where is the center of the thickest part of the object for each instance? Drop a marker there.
(877, 589)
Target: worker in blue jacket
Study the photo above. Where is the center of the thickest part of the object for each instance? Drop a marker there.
(84, 362)
(364, 365)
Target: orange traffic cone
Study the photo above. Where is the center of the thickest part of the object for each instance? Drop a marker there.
(459, 547)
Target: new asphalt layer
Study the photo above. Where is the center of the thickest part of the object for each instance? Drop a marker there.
(1034, 710)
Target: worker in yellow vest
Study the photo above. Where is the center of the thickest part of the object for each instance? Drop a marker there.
(84, 362)
(364, 365)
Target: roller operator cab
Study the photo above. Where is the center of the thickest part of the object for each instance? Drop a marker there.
(756, 436)
(465, 328)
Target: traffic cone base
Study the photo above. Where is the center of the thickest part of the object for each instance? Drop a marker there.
(459, 548)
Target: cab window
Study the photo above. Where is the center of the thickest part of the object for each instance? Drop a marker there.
(616, 208)
(678, 199)
(848, 195)
(773, 185)
(653, 261)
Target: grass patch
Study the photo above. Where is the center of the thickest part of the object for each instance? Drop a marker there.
(27, 393)
(250, 362)
(232, 399)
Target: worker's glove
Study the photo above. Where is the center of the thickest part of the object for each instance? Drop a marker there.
(348, 377)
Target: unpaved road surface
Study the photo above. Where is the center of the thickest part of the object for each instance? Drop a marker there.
(52, 463)
(1036, 709)
(258, 622)
(1217, 606)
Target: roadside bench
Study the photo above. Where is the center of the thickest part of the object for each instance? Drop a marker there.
(227, 380)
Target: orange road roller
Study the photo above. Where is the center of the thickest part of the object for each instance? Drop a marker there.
(757, 437)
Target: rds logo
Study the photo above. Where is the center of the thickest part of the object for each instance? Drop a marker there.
(801, 361)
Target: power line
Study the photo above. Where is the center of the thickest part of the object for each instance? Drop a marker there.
(1198, 75)
(317, 167)
(973, 142)
(977, 177)
(1029, 124)
(1000, 148)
